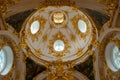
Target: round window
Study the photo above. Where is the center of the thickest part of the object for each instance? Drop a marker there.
(6, 60)
(2, 59)
(82, 26)
(59, 45)
(35, 26)
(112, 55)
(116, 57)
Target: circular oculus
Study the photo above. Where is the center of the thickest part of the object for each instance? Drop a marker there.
(2, 60)
(59, 45)
(112, 55)
(116, 57)
(6, 60)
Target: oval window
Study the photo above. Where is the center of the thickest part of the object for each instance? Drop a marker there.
(82, 26)
(35, 26)
(6, 60)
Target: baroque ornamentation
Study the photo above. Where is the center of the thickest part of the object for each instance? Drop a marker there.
(59, 36)
(57, 3)
(4, 4)
(2, 44)
(73, 38)
(110, 8)
(42, 22)
(45, 37)
(106, 69)
(6, 42)
(60, 70)
(58, 47)
(69, 35)
(75, 20)
(58, 19)
(116, 41)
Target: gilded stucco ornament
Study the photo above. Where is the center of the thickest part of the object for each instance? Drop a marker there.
(57, 3)
(45, 37)
(59, 70)
(59, 54)
(60, 44)
(4, 4)
(41, 43)
(111, 6)
(105, 72)
(58, 18)
(6, 42)
(75, 21)
(42, 22)
(3, 8)
(116, 41)
(1, 45)
(73, 38)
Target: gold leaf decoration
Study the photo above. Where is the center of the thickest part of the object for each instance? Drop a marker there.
(59, 36)
(42, 22)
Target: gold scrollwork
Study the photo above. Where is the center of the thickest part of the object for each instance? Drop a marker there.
(6, 41)
(75, 20)
(59, 36)
(58, 19)
(3, 8)
(45, 37)
(1, 45)
(81, 53)
(5, 3)
(60, 72)
(73, 38)
(110, 74)
(38, 53)
(116, 41)
(42, 22)
(3, 42)
(57, 3)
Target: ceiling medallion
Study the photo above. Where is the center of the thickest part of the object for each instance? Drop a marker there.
(58, 45)
(58, 17)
